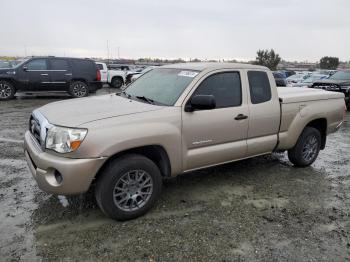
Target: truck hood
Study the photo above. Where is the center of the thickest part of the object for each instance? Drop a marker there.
(75, 112)
(4, 71)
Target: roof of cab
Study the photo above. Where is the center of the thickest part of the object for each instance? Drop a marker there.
(213, 66)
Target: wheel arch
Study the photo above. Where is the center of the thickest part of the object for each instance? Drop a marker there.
(78, 80)
(156, 153)
(10, 80)
(321, 125)
(120, 77)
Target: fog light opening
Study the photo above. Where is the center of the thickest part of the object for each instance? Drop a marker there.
(58, 177)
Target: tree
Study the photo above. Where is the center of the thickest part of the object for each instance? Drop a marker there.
(329, 62)
(267, 58)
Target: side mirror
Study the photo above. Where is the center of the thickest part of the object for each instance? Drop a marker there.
(25, 68)
(201, 102)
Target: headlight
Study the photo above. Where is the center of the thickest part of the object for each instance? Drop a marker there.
(63, 139)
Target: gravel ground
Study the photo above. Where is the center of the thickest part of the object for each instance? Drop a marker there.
(261, 209)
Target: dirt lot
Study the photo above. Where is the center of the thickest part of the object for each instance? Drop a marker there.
(262, 209)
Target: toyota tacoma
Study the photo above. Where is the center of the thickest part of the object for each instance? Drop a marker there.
(173, 119)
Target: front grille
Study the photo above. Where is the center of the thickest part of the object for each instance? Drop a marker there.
(327, 86)
(34, 128)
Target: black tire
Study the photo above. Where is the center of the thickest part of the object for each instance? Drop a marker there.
(114, 175)
(306, 150)
(78, 89)
(117, 82)
(7, 90)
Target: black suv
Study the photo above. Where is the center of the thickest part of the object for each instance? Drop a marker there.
(76, 76)
(338, 82)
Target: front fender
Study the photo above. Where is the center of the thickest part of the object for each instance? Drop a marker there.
(108, 137)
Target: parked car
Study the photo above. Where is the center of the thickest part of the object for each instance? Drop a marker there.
(173, 120)
(327, 72)
(338, 82)
(144, 71)
(287, 73)
(307, 82)
(103, 70)
(280, 79)
(120, 75)
(5, 64)
(76, 76)
(299, 76)
(116, 78)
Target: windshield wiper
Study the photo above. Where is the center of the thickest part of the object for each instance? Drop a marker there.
(148, 100)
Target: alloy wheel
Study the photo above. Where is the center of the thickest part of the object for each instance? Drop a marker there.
(310, 148)
(133, 190)
(79, 90)
(5, 90)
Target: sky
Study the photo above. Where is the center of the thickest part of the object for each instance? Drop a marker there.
(298, 30)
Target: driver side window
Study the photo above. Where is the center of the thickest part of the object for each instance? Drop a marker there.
(225, 87)
(37, 64)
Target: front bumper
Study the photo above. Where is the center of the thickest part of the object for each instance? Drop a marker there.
(59, 175)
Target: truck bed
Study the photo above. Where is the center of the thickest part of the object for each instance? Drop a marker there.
(296, 94)
(301, 106)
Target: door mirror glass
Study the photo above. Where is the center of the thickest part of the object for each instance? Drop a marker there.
(201, 102)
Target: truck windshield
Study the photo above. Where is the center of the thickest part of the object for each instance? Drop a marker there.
(162, 85)
(341, 75)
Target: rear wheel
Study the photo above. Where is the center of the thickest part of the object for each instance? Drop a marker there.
(129, 187)
(7, 90)
(78, 89)
(306, 150)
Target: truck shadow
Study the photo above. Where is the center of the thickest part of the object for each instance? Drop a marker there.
(238, 178)
(243, 197)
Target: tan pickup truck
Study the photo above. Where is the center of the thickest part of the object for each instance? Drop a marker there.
(172, 120)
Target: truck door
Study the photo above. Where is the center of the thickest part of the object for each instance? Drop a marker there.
(61, 74)
(265, 113)
(218, 135)
(34, 75)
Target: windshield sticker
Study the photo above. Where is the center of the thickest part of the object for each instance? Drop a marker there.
(188, 73)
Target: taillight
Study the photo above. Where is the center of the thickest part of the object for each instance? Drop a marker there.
(98, 75)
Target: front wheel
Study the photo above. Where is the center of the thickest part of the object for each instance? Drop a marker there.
(7, 90)
(306, 150)
(78, 89)
(128, 187)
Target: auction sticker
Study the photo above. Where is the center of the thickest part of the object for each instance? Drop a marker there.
(188, 73)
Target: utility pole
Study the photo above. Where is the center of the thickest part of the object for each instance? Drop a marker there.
(118, 52)
(107, 52)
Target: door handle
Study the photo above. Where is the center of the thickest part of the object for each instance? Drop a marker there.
(241, 117)
(44, 74)
(68, 74)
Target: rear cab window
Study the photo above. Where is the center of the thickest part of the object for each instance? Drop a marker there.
(259, 87)
(99, 66)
